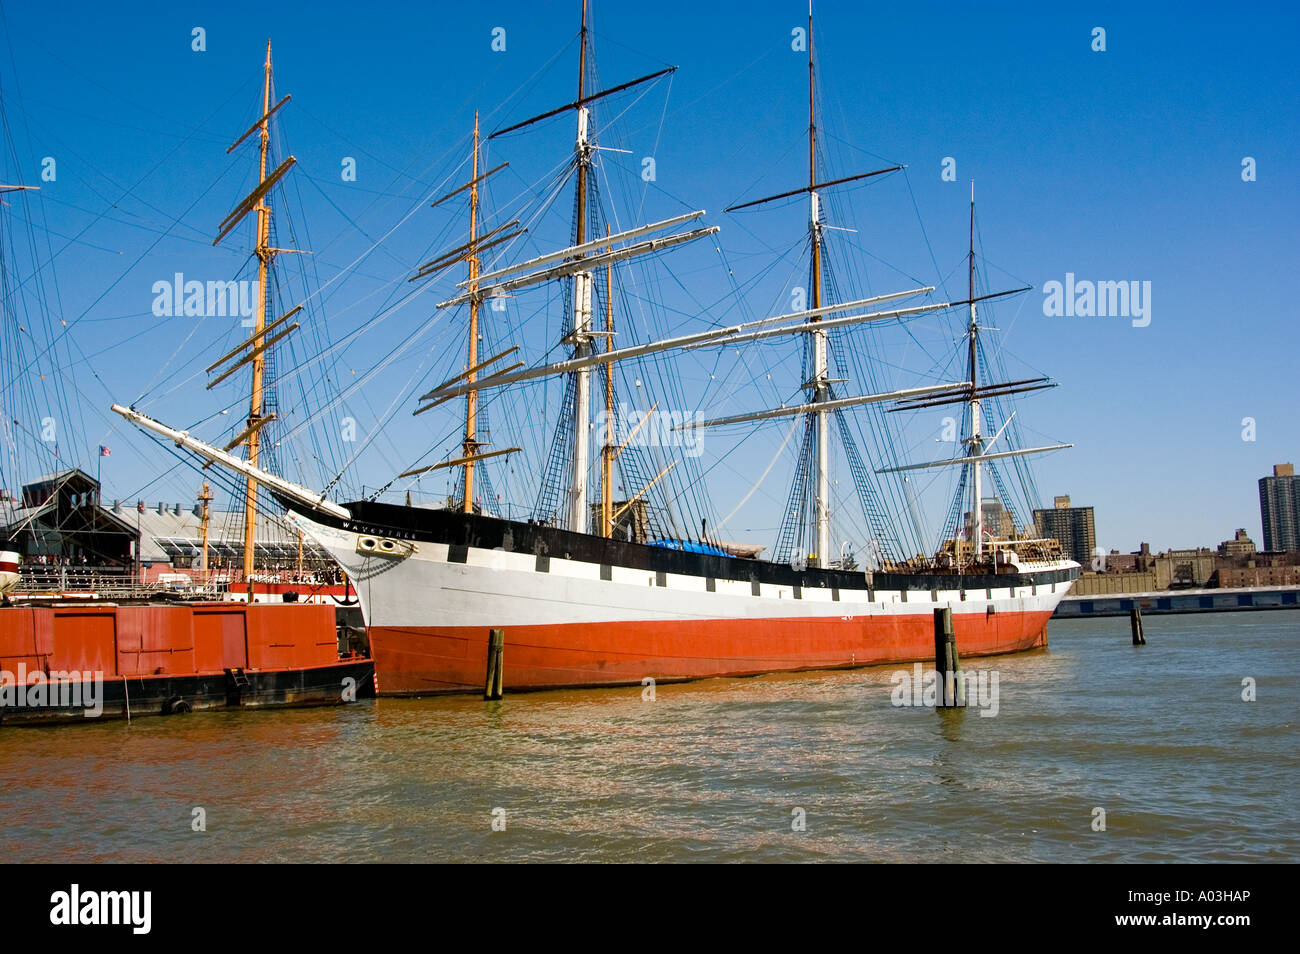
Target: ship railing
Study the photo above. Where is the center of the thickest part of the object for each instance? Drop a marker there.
(43, 578)
(103, 582)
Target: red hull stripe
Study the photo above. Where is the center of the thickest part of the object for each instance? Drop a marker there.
(7, 567)
(427, 659)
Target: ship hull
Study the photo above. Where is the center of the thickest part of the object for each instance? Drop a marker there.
(580, 611)
(416, 660)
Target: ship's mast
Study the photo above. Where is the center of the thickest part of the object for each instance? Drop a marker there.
(819, 383)
(580, 336)
(205, 498)
(607, 458)
(581, 145)
(976, 443)
(579, 262)
(264, 255)
(471, 399)
(258, 342)
(469, 253)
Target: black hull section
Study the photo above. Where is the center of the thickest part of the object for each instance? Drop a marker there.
(174, 695)
(461, 530)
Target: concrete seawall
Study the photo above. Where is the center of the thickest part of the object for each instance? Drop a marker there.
(1181, 601)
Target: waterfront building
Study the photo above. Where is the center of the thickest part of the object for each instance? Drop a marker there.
(60, 523)
(1073, 526)
(999, 522)
(1279, 508)
(1239, 546)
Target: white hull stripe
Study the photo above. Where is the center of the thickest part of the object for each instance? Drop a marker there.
(420, 587)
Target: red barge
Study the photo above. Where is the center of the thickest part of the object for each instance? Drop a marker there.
(161, 659)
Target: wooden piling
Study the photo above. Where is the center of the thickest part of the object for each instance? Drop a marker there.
(493, 683)
(947, 664)
(1135, 624)
(959, 687)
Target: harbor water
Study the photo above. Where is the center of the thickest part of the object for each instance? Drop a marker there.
(1163, 739)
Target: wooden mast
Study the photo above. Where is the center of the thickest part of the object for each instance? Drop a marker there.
(470, 252)
(205, 498)
(264, 255)
(471, 399)
(258, 342)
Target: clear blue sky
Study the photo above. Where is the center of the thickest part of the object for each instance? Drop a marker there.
(1116, 165)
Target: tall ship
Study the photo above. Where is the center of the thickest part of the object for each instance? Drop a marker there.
(605, 583)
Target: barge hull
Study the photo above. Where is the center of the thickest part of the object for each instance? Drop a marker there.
(158, 659)
(137, 696)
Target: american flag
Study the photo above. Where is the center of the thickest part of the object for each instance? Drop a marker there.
(104, 451)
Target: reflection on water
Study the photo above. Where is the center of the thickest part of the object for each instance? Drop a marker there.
(1158, 736)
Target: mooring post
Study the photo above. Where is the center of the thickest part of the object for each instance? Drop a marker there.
(947, 665)
(493, 683)
(1135, 624)
(498, 687)
(959, 688)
